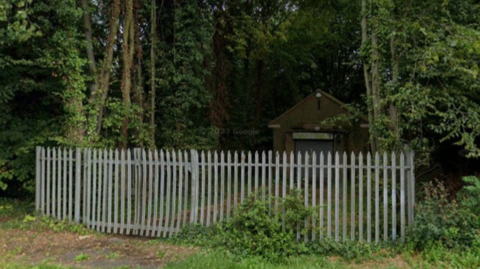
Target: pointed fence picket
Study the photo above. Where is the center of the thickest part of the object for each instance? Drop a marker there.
(156, 192)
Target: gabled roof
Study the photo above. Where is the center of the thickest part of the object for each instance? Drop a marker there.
(324, 94)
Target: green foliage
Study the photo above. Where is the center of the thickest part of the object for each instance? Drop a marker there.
(428, 55)
(198, 235)
(434, 251)
(446, 232)
(358, 251)
(254, 59)
(183, 97)
(112, 124)
(435, 254)
(52, 224)
(441, 219)
(39, 76)
(222, 260)
(12, 208)
(38, 266)
(15, 25)
(470, 195)
(466, 259)
(255, 230)
(81, 257)
(437, 257)
(20, 214)
(293, 209)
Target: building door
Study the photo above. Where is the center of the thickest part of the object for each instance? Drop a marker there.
(316, 146)
(311, 146)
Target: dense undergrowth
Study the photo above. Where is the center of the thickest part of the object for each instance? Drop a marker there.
(446, 232)
(18, 214)
(257, 231)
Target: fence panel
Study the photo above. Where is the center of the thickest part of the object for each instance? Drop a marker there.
(155, 193)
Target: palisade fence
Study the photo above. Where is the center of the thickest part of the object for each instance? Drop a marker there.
(156, 192)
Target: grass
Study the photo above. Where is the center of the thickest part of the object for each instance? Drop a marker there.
(221, 260)
(19, 214)
(13, 211)
(161, 254)
(112, 256)
(383, 259)
(39, 266)
(81, 257)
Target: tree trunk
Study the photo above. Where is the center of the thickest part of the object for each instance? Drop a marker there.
(87, 24)
(127, 57)
(76, 123)
(393, 111)
(98, 97)
(218, 105)
(376, 99)
(153, 37)
(137, 84)
(75, 132)
(368, 79)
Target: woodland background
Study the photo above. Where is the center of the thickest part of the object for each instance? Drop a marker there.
(211, 74)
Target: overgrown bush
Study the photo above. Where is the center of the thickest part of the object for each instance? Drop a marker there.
(470, 195)
(257, 229)
(439, 219)
(253, 232)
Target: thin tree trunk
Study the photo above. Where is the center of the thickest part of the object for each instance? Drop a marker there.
(75, 111)
(393, 111)
(375, 79)
(74, 106)
(127, 56)
(153, 37)
(87, 24)
(137, 84)
(219, 103)
(368, 79)
(98, 97)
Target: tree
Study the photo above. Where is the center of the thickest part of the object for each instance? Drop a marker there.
(41, 69)
(421, 71)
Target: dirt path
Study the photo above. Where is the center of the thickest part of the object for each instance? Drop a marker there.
(87, 251)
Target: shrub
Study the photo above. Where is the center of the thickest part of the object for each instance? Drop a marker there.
(257, 230)
(440, 219)
(434, 251)
(292, 207)
(470, 195)
(252, 232)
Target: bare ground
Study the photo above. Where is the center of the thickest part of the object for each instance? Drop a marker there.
(86, 251)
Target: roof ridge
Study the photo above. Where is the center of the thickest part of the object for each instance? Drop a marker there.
(329, 96)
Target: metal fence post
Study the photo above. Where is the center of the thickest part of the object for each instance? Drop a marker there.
(411, 190)
(78, 183)
(136, 192)
(194, 185)
(37, 178)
